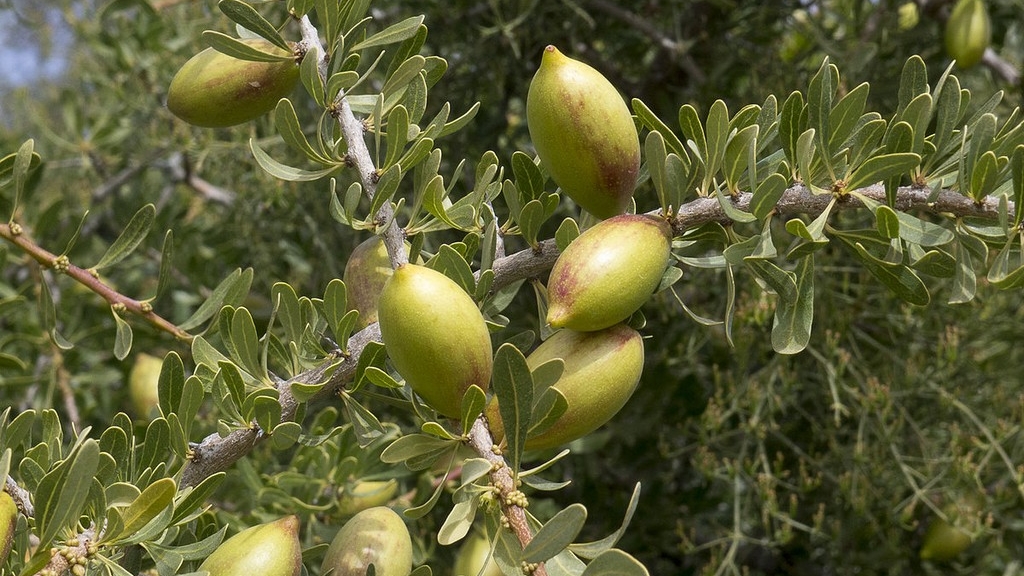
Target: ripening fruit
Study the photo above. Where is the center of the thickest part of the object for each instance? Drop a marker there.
(366, 272)
(435, 336)
(143, 380)
(375, 536)
(8, 523)
(943, 541)
(601, 372)
(608, 272)
(214, 90)
(475, 558)
(270, 549)
(366, 494)
(968, 32)
(583, 133)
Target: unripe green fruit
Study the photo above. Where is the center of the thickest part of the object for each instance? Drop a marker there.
(943, 541)
(143, 380)
(366, 494)
(270, 549)
(375, 536)
(475, 558)
(601, 372)
(367, 270)
(608, 272)
(968, 32)
(435, 336)
(8, 523)
(214, 90)
(583, 133)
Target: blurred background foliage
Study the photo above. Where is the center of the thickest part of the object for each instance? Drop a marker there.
(833, 461)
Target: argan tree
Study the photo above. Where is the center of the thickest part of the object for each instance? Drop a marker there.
(291, 304)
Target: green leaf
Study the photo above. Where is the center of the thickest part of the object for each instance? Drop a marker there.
(153, 500)
(130, 238)
(62, 493)
(556, 535)
(309, 75)
(913, 81)
(883, 167)
(391, 35)
(191, 498)
(791, 327)
(473, 403)
(887, 222)
(155, 447)
(288, 126)
(21, 166)
(450, 263)
(289, 314)
(737, 156)
(985, 176)
(846, 114)
(243, 343)
(288, 173)
(513, 385)
(1017, 179)
(732, 211)
(122, 336)
(615, 563)
(901, 280)
(412, 446)
(717, 139)
(251, 20)
(782, 282)
(529, 178)
(166, 264)
(366, 425)
(791, 125)
(235, 282)
(237, 49)
(820, 92)
(653, 123)
(918, 231)
(689, 121)
(767, 195)
(567, 231)
(595, 549)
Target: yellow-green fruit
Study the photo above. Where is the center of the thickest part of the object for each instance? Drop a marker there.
(215, 90)
(366, 272)
(943, 541)
(270, 549)
(968, 32)
(608, 272)
(366, 494)
(583, 133)
(375, 536)
(475, 558)
(8, 522)
(435, 336)
(142, 386)
(601, 372)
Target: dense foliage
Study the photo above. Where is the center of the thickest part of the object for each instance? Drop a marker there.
(827, 448)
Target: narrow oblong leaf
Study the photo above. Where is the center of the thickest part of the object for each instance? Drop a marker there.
(247, 16)
(235, 48)
(883, 167)
(513, 385)
(153, 500)
(556, 534)
(392, 34)
(791, 328)
(615, 563)
(130, 237)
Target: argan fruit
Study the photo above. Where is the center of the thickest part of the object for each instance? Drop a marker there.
(8, 523)
(943, 541)
(367, 270)
(608, 272)
(366, 494)
(143, 380)
(435, 336)
(270, 549)
(968, 32)
(375, 536)
(584, 134)
(601, 372)
(215, 90)
(475, 559)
